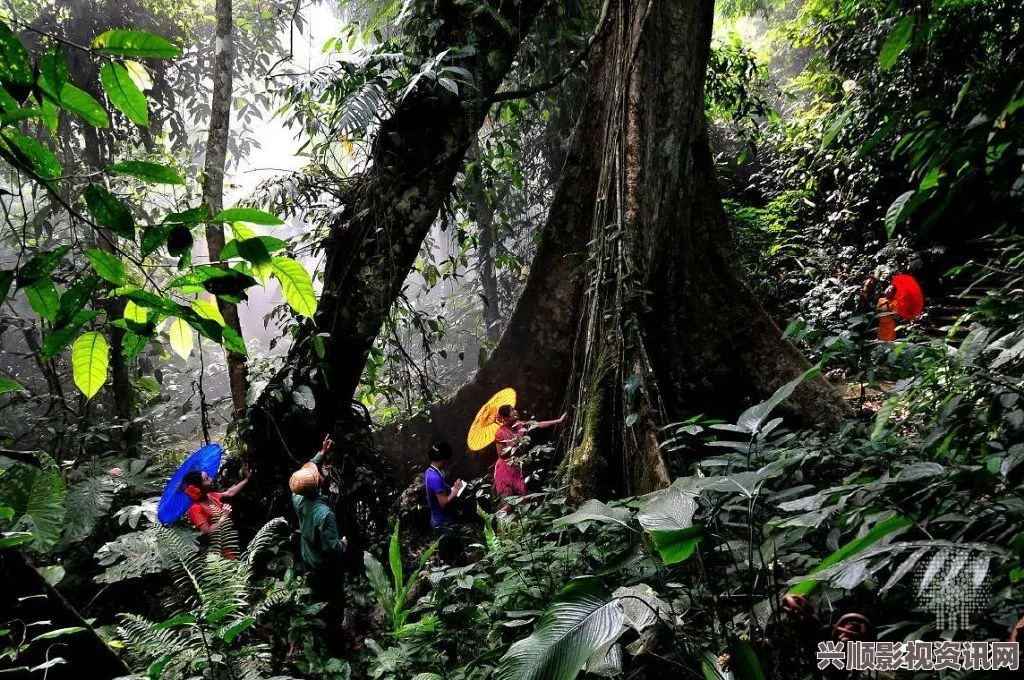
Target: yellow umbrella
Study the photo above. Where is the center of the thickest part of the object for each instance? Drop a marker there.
(485, 425)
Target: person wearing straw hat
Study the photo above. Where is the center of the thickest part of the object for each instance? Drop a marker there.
(322, 548)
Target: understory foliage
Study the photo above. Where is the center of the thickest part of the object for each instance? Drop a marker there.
(852, 137)
(873, 519)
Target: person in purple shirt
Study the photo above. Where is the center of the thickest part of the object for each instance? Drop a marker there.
(441, 497)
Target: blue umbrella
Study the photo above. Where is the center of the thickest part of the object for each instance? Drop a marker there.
(175, 502)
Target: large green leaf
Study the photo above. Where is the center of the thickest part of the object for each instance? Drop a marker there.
(15, 65)
(124, 94)
(744, 662)
(31, 154)
(75, 298)
(248, 215)
(667, 515)
(753, 418)
(296, 285)
(82, 103)
(53, 73)
(395, 558)
(107, 265)
(41, 264)
(135, 44)
(43, 298)
(55, 341)
(36, 494)
(594, 510)
(896, 43)
(877, 533)
(582, 619)
(153, 173)
(897, 212)
(109, 211)
(90, 358)
(383, 590)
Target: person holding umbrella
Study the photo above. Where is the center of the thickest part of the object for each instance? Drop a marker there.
(508, 477)
(322, 548)
(208, 510)
(190, 491)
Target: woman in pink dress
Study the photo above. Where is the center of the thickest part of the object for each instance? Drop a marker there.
(508, 476)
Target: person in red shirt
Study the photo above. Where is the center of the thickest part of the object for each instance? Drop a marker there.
(208, 510)
(508, 477)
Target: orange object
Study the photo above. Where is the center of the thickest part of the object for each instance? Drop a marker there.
(886, 321)
(485, 425)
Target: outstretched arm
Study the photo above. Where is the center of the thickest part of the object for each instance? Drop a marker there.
(540, 425)
(233, 491)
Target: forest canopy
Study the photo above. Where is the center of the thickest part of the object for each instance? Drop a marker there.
(512, 339)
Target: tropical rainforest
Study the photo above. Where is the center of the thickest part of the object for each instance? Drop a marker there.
(766, 257)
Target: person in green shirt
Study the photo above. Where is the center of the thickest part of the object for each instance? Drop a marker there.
(322, 548)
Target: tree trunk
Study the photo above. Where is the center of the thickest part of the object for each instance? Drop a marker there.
(673, 329)
(213, 185)
(374, 242)
(481, 211)
(666, 325)
(534, 355)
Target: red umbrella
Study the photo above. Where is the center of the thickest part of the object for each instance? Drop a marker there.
(909, 300)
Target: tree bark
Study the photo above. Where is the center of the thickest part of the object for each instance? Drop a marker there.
(213, 185)
(673, 329)
(482, 212)
(666, 325)
(374, 242)
(535, 353)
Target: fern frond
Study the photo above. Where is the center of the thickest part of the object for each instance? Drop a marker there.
(272, 533)
(224, 541)
(87, 502)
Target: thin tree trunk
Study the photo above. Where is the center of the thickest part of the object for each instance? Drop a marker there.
(482, 212)
(213, 185)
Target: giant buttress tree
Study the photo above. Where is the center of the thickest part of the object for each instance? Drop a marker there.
(659, 323)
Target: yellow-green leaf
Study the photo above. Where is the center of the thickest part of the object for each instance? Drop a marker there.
(296, 285)
(139, 75)
(135, 44)
(208, 310)
(152, 173)
(134, 313)
(247, 215)
(124, 94)
(81, 102)
(180, 334)
(32, 154)
(90, 357)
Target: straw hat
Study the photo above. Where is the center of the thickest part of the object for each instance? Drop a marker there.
(306, 480)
